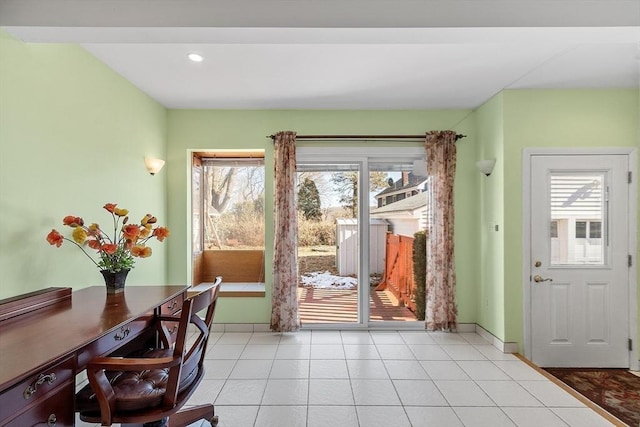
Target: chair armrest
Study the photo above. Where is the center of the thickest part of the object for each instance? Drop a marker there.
(132, 364)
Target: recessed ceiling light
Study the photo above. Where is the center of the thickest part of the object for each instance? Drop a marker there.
(195, 57)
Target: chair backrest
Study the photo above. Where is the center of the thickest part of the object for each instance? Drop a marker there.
(191, 342)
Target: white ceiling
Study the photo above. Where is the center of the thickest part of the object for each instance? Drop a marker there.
(366, 64)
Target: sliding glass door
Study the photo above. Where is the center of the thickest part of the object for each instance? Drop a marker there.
(358, 212)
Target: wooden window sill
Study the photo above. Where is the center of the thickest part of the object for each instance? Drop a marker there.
(242, 290)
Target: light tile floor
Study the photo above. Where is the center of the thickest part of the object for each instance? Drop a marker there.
(378, 378)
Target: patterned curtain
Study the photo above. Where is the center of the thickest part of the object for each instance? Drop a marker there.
(284, 305)
(441, 310)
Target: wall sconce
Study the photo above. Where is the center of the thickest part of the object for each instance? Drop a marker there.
(486, 166)
(153, 165)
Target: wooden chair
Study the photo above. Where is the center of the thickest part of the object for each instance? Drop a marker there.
(152, 389)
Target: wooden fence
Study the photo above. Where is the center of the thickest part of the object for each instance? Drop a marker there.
(398, 272)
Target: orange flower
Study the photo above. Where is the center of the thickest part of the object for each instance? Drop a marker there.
(120, 212)
(110, 207)
(141, 251)
(94, 244)
(73, 221)
(130, 232)
(161, 233)
(109, 248)
(55, 238)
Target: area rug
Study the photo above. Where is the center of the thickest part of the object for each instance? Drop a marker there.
(615, 390)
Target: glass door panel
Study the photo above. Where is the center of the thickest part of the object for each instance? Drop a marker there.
(328, 243)
(397, 212)
(577, 211)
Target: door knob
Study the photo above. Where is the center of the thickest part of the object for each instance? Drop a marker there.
(537, 278)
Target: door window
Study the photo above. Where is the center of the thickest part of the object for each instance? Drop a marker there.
(577, 213)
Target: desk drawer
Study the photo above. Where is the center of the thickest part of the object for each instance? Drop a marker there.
(31, 394)
(54, 410)
(172, 306)
(114, 340)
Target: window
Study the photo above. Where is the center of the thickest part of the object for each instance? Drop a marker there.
(233, 203)
(577, 208)
(228, 218)
(595, 230)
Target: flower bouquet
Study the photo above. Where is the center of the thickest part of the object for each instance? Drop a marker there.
(116, 253)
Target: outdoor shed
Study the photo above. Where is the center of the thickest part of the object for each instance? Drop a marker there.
(347, 245)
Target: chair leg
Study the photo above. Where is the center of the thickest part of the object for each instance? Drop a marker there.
(192, 414)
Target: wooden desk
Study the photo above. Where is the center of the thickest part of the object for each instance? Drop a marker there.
(41, 351)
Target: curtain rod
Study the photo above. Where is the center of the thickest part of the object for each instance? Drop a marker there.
(347, 137)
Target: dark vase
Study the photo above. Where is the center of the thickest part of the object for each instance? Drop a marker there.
(114, 280)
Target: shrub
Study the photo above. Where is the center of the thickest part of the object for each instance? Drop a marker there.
(241, 227)
(420, 271)
(316, 233)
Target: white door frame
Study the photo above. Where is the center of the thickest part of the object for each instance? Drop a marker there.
(528, 153)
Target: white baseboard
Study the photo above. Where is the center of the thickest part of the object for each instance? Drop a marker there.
(505, 347)
(240, 327)
(466, 327)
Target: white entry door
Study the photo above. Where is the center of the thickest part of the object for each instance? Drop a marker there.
(579, 261)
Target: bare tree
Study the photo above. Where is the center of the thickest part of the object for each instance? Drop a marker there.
(346, 183)
(323, 184)
(220, 181)
(253, 187)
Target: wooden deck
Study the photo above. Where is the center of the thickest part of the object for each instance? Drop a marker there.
(341, 306)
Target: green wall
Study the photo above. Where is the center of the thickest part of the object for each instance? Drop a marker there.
(491, 298)
(536, 118)
(73, 135)
(217, 129)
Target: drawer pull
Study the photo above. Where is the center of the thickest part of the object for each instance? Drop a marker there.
(30, 390)
(173, 305)
(174, 329)
(124, 331)
(52, 420)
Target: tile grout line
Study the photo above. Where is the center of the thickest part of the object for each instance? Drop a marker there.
(353, 395)
(432, 380)
(501, 407)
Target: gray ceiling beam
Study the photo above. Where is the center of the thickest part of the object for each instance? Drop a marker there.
(320, 13)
